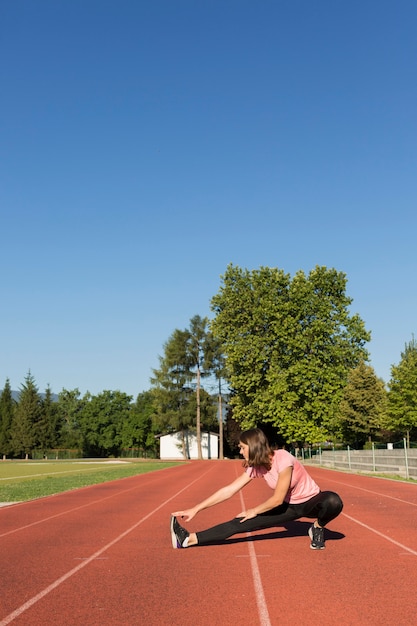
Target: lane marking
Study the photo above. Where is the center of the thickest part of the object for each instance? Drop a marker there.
(375, 493)
(76, 508)
(83, 558)
(246, 556)
(381, 495)
(400, 545)
(26, 605)
(257, 581)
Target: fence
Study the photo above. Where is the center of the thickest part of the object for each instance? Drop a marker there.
(61, 454)
(394, 459)
(139, 453)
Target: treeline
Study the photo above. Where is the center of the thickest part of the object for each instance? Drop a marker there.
(38, 425)
(289, 353)
(90, 426)
(111, 423)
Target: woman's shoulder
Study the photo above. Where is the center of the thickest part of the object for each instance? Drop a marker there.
(281, 455)
(281, 452)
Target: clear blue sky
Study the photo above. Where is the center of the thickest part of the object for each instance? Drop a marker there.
(147, 145)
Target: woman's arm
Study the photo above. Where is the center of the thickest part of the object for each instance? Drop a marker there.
(281, 490)
(219, 496)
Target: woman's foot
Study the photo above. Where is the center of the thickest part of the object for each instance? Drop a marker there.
(316, 534)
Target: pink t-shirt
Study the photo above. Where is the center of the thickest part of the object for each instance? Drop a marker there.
(302, 486)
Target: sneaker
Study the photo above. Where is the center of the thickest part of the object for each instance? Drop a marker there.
(316, 535)
(178, 534)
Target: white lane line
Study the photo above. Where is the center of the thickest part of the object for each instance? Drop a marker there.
(76, 508)
(400, 545)
(257, 581)
(375, 493)
(24, 607)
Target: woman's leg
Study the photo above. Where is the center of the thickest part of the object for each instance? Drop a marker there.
(275, 517)
(325, 506)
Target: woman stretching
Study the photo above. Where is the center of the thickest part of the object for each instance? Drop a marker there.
(295, 495)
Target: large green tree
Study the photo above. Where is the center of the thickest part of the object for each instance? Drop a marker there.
(362, 407)
(402, 393)
(289, 345)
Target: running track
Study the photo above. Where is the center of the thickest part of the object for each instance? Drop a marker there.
(102, 556)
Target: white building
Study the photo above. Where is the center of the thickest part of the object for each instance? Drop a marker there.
(171, 447)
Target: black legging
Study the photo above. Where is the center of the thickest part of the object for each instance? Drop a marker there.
(325, 506)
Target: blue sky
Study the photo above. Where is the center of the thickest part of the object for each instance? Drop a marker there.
(147, 145)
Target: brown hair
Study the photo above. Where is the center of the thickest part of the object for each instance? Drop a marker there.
(260, 452)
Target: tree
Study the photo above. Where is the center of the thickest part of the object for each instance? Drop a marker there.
(232, 434)
(101, 422)
(137, 428)
(171, 391)
(201, 350)
(189, 355)
(362, 406)
(289, 345)
(69, 408)
(47, 425)
(208, 410)
(7, 405)
(402, 392)
(24, 427)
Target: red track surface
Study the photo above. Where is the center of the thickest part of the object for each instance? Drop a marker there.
(102, 556)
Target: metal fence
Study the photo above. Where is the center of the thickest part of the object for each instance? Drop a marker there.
(394, 459)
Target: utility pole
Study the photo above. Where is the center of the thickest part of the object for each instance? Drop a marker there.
(199, 448)
(221, 453)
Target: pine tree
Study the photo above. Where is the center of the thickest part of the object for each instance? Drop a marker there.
(47, 425)
(189, 355)
(7, 406)
(171, 393)
(24, 428)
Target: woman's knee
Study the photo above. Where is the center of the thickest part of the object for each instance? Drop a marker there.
(334, 502)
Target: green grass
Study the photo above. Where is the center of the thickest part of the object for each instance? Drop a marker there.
(388, 476)
(27, 480)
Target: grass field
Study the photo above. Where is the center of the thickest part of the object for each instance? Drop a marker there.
(26, 480)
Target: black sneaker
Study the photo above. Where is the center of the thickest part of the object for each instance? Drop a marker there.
(316, 535)
(178, 533)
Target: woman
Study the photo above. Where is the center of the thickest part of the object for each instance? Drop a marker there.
(295, 495)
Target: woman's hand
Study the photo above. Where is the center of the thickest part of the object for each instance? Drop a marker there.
(188, 514)
(249, 514)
